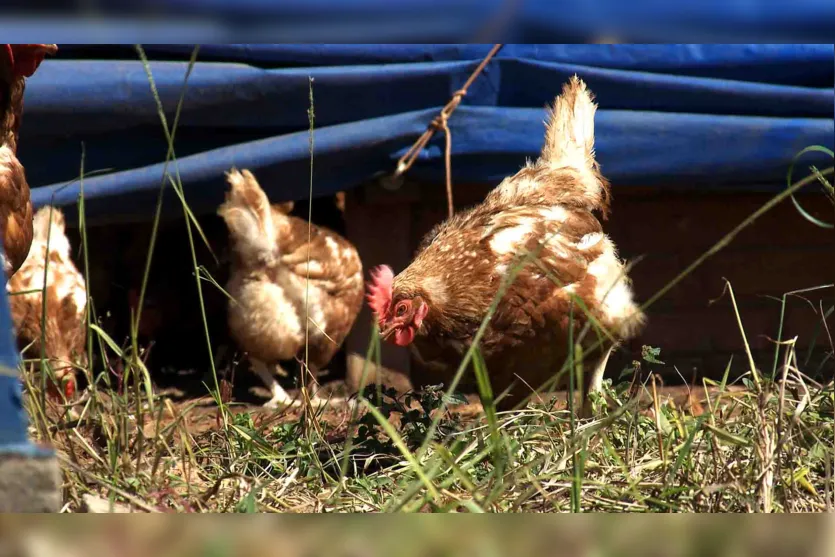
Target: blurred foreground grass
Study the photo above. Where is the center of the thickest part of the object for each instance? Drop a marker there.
(570, 536)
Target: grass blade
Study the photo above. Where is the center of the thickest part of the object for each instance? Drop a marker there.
(401, 446)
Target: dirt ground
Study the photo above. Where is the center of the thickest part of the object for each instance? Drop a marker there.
(200, 413)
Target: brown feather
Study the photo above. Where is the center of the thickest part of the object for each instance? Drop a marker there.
(63, 338)
(269, 278)
(544, 210)
(17, 62)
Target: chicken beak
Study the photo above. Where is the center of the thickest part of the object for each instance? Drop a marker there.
(387, 331)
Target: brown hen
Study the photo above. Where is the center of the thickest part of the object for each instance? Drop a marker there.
(62, 340)
(17, 62)
(436, 305)
(271, 284)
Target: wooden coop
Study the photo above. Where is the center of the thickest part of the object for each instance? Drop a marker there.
(694, 323)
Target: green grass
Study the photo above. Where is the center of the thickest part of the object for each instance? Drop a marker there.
(765, 448)
(748, 452)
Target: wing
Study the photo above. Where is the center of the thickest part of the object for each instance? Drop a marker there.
(15, 211)
(561, 241)
(327, 259)
(562, 244)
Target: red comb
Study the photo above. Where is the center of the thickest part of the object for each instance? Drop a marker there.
(380, 289)
(25, 58)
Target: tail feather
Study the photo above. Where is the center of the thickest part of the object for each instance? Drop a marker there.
(42, 219)
(569, 140)
(249, 218)
(569, 136)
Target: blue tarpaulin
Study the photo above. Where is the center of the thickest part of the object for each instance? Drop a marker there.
(418, 21)
(715, 117)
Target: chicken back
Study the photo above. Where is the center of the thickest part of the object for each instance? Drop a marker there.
(282, 265)
(573, 274)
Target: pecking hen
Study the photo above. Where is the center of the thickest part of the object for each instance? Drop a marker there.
(17, 62)
(66, 300)
(436, 305)
(268, 284)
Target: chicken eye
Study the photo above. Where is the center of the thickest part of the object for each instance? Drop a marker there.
(400, 309)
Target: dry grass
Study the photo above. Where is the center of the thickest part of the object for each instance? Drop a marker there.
(744, 450)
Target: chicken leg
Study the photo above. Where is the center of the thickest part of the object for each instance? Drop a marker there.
(280, 397)
(595, 382)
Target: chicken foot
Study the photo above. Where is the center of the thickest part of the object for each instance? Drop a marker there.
(280, 398)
